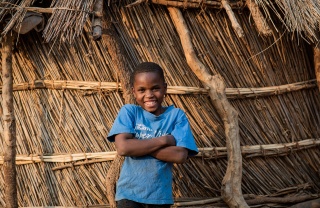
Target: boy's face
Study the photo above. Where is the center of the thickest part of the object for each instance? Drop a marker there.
(149, 90)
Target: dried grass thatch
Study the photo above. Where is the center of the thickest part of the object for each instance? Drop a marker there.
(60, 121)
(301, 17)
(68, 17)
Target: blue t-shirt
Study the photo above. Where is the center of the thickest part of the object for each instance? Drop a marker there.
(146, 179)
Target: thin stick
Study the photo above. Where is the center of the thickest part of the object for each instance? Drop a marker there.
(205, 152)
(232, 93)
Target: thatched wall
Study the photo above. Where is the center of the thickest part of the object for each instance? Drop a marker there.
(54, 122)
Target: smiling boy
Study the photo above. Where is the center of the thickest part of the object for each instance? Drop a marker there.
(151, 137)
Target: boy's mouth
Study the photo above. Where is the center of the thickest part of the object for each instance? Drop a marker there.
(150, 104)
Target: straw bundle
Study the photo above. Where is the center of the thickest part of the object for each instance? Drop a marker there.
(52, 122)
(206, 153)
(62, 158)
(193, 3)
(301, 17)
(68, 17)
(104, 87)
(17, 16)
(67, 20)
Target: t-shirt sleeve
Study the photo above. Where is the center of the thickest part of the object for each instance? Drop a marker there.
(124, 122)
(183, 135)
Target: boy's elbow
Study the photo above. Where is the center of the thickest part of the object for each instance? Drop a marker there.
(122, 145)
(181, 161)
(122, 151)
(182, 157)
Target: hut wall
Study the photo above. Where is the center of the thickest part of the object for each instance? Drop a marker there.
(51, 121)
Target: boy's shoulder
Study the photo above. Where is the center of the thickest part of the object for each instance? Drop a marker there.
(175, 110)
(130, 107)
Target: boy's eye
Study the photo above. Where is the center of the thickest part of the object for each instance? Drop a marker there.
(155, 88)
(141, 90)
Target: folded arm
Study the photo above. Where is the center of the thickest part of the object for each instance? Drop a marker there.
(173, 154)
(163, 148)
(128, 145)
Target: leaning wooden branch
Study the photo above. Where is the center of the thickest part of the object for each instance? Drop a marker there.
(234, 22)
(231, 188)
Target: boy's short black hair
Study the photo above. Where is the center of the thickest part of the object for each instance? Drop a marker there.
(147, 67)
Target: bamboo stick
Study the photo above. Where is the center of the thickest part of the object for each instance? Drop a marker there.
(232, 93)
(234, 22)
(262, 150)
(204, 152)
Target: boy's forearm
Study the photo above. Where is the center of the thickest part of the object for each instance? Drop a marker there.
(127, 145)
(171, 154)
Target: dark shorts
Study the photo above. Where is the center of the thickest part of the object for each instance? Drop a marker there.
(124, 203)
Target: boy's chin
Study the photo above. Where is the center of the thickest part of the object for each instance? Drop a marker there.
(152, 110)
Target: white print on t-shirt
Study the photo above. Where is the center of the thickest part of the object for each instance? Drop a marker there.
(144, 132)
(142, 127)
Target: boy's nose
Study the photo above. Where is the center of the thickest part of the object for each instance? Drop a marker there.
(149, 93)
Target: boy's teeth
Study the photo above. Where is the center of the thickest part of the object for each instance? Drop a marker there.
(149, 103)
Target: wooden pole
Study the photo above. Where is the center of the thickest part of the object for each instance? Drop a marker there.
(261, 22)
(123, 73)
(9, 125)
(231, 184)
(96, 24)
(316, 55)
(199, 4)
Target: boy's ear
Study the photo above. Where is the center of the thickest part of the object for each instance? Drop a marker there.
(165, 89)
(132, 90)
